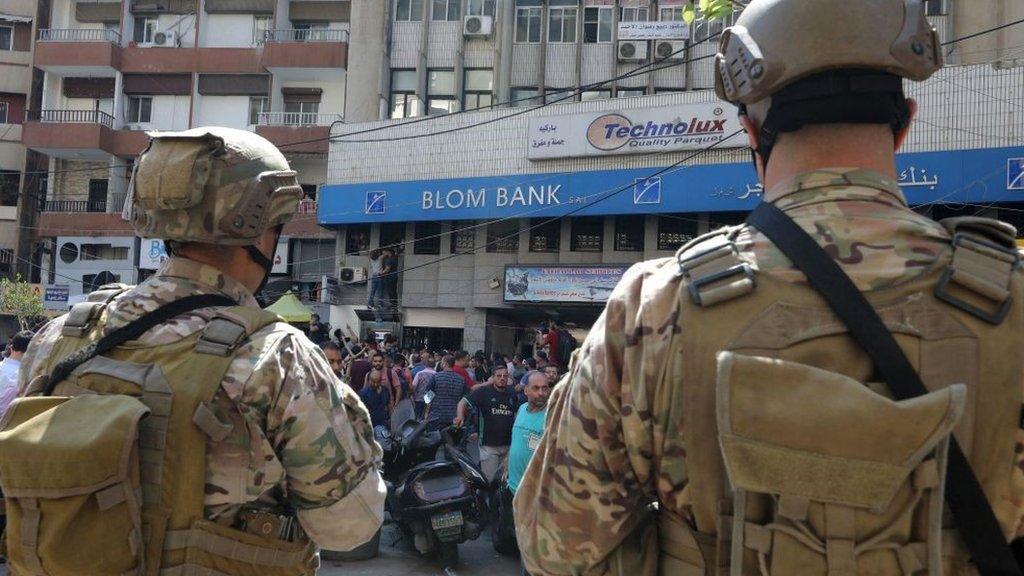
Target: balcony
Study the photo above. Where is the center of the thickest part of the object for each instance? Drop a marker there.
(305, 35)
(79, 35)
(297, 131)
(79, 135)
(75, 206)
(78, 51)
(71, 217)
(314, 49)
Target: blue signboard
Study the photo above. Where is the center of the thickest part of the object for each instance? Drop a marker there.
(975, 176)
(562, 284)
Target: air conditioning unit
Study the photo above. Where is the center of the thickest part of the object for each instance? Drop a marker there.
(632, 51)
(351, 275)
(162, 38)
(477, 25)
(670, 50)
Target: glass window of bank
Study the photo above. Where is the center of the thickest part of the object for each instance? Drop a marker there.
(674, 230)
(408, 10)
(426, 238)
(479, 88)
(587, 234)
(629, 233)
(392, 235)
(441, 92)
(503, 236)
(463, 237)
(404, 103)
(545, 234)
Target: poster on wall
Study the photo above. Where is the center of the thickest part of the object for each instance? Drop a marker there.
(152, 254)
(280, 257)
(635, 131)
(654, 30)
(562, 284)
(55, 296)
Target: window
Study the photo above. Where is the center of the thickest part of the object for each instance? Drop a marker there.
(357, 238)
(6, 37)
(545, 234)
(525, 97)
(260, 26)
(667, 90)
(3, 112)
(445, 10)
(427, 238)
(629, 233)
(68, 252)
(145, 27)
(393, 234)
(936, 7)
(630, 92)
(404, 103)
(140, 109)
(562, 25)
(305, 31)
(97, 195)
(441, 92)
(257, 105)
(553, 95)
(479, 89)
(597, 25)
(9, 180)
(588, 95)
(671, 14)
(675, 230)
(587, 234)
(309, 191)
(408, 10)
(528, 25)
(463, 238)
(503, 236)
(640, 13)
(104, 252)
(299, 113)
(718, 219)
(480, 8)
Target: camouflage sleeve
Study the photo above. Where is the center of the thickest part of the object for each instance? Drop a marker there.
(588, 484)
(319, 429)
(40, 347)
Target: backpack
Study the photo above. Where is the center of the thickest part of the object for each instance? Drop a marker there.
(107, 478)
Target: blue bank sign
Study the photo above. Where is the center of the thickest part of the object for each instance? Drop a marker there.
(974, 176)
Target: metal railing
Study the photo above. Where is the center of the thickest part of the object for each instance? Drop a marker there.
(75, 206)
(72, 117)
(79, 35)
(296, 119)
(292, 35)
(307, 206)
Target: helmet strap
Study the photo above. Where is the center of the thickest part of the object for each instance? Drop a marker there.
(266, 263)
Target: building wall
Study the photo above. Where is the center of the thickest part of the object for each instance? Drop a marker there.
(71, 272)
(225, 30)
(230, 111)
(71, 178)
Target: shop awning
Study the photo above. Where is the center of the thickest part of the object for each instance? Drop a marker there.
(290, 308)
(435, 317)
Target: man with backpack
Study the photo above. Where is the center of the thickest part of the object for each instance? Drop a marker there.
(176, 427)
(780, 397)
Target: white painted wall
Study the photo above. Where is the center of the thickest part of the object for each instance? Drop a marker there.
(227, 30)
(230, 111)
(311, 170)
(169, 113)
(183, 24)
(332, 101)
(65, 271)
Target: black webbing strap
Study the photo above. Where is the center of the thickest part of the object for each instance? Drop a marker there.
(132, 331)
(971, 510)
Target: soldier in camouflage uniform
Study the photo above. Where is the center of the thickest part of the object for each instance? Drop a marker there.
(298, 440)
(616, 446)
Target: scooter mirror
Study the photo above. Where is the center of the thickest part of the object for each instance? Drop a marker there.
(428, 397)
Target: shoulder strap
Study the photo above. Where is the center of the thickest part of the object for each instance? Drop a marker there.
(231, 327)
(131, 331)
(971, 510)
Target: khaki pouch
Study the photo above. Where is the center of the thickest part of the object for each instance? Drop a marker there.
(215, 550)
(69, 468)
(183, 167)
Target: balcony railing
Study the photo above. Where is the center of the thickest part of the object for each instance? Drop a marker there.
(307, 206)
(72, 117)
(296, 119)
(75, 206)
(79, 35)
(319, 35)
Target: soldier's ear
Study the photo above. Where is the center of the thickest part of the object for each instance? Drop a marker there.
(901, 136)
(753, 140)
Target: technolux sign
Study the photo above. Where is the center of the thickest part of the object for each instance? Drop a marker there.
(640, 131)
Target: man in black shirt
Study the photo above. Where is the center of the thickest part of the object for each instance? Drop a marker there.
(496, 404)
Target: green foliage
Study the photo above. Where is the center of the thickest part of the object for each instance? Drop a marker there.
(20, 299)
(708, 10)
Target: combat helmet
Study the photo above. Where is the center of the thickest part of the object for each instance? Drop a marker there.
(789, 63)
(212, 185)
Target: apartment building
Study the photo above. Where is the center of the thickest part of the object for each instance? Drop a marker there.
(505, 213)
(17, 25)
(113, 71)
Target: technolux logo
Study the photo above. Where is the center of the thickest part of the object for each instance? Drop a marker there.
(614, 131)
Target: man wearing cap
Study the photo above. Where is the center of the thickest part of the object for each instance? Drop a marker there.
(289, 451)
(663, 445)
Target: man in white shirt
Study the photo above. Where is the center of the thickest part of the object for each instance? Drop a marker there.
(10, 368)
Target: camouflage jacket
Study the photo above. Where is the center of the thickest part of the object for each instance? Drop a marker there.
(299, 437)
(612, 447)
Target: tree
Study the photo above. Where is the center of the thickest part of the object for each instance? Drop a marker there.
(21, 300)
(709, 9)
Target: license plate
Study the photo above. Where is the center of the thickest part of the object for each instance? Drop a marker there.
(447, 526)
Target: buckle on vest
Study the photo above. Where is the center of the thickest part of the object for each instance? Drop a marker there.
(221, 337)
(709, 267)
(977, 256)
(82, 318)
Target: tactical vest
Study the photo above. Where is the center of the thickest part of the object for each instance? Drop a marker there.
(798, 460)
(108, 476)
